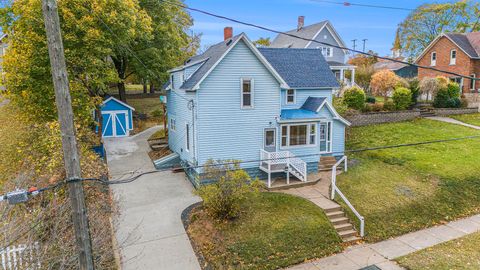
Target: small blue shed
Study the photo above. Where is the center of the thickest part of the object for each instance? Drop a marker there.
(117, 118)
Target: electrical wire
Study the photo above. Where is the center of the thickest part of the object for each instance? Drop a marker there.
(316, 41)
(104, 181)
(348, 4)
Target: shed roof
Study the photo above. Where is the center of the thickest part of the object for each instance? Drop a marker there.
(301, 68)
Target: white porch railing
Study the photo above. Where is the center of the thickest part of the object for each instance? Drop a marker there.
(20, 257)
(335, 189)
(283, 161)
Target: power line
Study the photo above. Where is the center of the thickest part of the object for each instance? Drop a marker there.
(34, 191)
(316, 41)
(349, 4)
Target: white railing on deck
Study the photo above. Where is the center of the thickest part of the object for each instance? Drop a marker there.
(335, 189)
(269, 159)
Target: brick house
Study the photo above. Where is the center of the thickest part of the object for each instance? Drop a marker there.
(454, 52)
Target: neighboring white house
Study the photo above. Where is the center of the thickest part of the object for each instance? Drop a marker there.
(323, 32)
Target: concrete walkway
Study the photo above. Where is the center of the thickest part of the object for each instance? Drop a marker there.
(381, 253)
(452, 121)
(149, 231)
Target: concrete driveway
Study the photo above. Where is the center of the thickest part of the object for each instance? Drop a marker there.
(149, 231)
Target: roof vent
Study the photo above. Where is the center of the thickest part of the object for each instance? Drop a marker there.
(229, 42)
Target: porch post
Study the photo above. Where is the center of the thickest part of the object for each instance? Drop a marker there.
(352, 79)
(342, 75)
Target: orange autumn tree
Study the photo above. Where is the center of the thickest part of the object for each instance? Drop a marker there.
(382, 82)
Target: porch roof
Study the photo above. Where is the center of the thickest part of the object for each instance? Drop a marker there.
(298, 114)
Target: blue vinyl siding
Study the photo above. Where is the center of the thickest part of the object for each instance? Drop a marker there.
(302, 94)
(224, 130)
(338, 54)
(177, 106)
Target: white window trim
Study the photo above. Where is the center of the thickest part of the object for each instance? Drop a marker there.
(328, 51)
(473, 82)
(252, 94)
(172, 124)
(453, 61)
(294, 97)
(433, 62)
(307, 137)
(172, 79)
(274, 137)
(187, 137)
(329, 142)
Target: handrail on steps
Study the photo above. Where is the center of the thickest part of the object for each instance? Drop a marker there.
(337, 190)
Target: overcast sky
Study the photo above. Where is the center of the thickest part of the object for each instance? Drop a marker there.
(376, 25)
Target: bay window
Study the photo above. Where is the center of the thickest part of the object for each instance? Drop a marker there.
(295, 135)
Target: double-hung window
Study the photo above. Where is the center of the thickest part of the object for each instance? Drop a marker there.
(433, 59)
(290, 96)
(246, 93)
(172, 124)
(297, 135)
(453, 57)
(327, 51)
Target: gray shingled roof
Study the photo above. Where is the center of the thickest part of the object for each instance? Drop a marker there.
(210, 56)
(301, 68)
(284, 41)
(313, 103)
(462, 41)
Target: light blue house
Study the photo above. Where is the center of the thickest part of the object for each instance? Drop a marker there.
(236, 101)
(117, 118)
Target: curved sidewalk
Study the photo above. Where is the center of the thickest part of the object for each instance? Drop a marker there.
(149, 231)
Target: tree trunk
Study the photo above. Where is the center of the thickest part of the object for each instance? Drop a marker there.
(152, 88)
(144, 86)
(121, 91)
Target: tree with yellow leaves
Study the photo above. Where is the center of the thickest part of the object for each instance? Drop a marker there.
(383, 82)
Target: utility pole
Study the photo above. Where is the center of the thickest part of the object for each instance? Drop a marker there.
(69, 141)
(364, 42)
(354, 45)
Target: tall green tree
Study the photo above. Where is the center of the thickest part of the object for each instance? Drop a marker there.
(87, 43)
(428, 21)
(148, 57)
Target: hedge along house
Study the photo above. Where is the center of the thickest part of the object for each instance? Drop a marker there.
(238, 102)
(117, 118)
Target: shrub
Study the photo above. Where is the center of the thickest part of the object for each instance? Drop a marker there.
(415, 89)
(402, 97)
(224, 198)
(339, 105)
(371, 100)
(453, 90)
(442, 81)
(448, 97)
(354, 97)
(377, 107)
(157, 113)
(389, 106)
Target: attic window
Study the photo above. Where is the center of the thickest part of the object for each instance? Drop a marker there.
(453, 57)
(433, 59)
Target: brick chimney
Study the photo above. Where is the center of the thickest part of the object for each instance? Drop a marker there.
(227, 33)
(301, 22)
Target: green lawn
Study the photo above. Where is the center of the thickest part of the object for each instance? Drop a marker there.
(151, 107)
(472, 119)
(462, 253)
(276, 231)
(405, 189)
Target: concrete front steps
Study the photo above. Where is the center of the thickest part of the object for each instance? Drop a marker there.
(342, 224)
(326, 163)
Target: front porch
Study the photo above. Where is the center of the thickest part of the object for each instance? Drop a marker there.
(340, 70)
(282, 161)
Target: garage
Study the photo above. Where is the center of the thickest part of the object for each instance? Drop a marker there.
(117, 118)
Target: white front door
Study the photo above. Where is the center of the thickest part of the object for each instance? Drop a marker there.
(269, 140)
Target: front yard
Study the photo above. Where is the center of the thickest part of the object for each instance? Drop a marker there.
(472, 119)
(405, 189)
(277, 230)
(460, 253)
